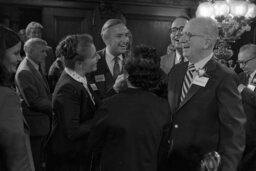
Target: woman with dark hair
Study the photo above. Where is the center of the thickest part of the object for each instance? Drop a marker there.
(129, 126)
(15, 150)
(73, 105)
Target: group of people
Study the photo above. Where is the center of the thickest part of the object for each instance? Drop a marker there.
(104, 111)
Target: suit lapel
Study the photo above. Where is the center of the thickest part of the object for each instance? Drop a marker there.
(38, 75)
(179, 82)
(210, 68)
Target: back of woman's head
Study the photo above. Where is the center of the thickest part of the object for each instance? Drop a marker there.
(8, 39)
(143, 67)
(68, 48)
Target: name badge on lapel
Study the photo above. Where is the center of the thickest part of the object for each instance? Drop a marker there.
(94, 87)
(200, 81)
(99, 78)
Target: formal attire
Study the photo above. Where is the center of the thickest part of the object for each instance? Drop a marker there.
(209, 118)
(36, 104)
(169, 60)
(248, 162)
(103, 79)
(74, 105)
(128, 129)
(15, 147)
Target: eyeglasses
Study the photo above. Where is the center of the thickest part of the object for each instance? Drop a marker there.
(244, 62)
(189, 35)
(174, 30)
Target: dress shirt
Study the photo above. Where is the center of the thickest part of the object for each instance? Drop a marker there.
(80, 79)
(110, 61)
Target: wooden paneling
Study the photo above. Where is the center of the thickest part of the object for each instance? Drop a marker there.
(60, 22)
(150, 30)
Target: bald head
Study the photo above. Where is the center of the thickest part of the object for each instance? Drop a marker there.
(206, 26)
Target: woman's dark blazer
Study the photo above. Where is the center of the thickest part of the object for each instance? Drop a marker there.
(128, 131)
(73, 111)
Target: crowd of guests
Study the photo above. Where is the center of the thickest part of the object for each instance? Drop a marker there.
(124, 108)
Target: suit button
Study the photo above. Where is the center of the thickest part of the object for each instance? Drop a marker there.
(176, 126)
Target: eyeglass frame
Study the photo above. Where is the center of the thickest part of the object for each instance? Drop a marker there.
(177, 29)
(189, 35)
(243, 63)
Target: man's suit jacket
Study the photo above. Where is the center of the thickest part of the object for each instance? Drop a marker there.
(74, 111)
(248, 162)
(167, 62)
(128, 130)
(102, 78)
(14, 134)
(36, 98)
(210, 118)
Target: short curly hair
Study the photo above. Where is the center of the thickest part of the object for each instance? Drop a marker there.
(68, 48)
(143, 67)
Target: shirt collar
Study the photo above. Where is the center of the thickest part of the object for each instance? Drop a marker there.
(252, 74)
(36, 66)
(76, 76)
(200, 64)
(111, 57)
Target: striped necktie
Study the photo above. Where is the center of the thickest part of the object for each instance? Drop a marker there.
(187, 81)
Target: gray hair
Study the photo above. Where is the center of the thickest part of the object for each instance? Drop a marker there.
(210, 27)
(31, 43)
(108, 24)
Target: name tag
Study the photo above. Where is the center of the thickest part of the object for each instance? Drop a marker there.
(251, 87)
(99, 78)
(200, 81)
(94, 87)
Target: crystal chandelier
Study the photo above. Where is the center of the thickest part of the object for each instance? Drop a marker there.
(233, 17)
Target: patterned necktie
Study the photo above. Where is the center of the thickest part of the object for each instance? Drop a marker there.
(116, 68)
(187, 81)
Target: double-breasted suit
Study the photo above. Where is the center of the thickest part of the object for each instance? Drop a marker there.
(210, 118)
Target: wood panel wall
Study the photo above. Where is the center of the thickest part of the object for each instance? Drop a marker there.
(148, 20)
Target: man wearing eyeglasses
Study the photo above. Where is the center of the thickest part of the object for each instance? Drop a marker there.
(247, 62)
(206, 108)
(174, 50)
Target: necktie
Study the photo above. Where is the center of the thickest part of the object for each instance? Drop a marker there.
(187, 81)
(116, 68)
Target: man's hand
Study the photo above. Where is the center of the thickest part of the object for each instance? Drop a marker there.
(119, 83)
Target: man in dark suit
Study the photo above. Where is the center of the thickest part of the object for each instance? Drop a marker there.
(115, 35)
(206, 107)
(35, 94)
(247, 62)
(174, 50)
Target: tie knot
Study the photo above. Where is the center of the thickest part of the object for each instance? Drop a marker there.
(191, 67)
(116, 59)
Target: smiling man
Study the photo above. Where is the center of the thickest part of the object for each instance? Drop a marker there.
(109, 68)
(174, 50)
(206, 107)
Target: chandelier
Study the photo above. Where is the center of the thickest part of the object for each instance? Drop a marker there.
(233, 17)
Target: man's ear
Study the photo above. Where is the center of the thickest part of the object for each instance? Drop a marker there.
(208, 43)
